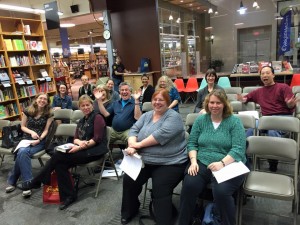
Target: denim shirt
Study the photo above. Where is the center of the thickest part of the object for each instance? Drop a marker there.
(64, 103)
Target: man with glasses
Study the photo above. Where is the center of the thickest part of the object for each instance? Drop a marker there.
(275, 99)
(125, 111)
(86, 88)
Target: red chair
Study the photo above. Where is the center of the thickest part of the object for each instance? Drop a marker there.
(191, 87)
(295, 80)
(179, 84)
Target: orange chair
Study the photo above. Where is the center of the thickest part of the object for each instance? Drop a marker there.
(191, 87)
(295, 80)
(180, 85)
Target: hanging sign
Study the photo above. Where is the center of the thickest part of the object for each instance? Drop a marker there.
(285, 33)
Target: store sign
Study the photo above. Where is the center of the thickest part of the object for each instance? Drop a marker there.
(285, 33)
(52, 18)
(64, 42)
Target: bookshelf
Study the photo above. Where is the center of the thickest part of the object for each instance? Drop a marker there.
(25, 68)
(62, 74)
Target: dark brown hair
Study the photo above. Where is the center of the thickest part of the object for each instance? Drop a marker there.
(211, 72)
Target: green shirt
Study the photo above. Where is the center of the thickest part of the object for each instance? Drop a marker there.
(214, 144)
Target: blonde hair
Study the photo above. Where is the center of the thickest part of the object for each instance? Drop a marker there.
(169, 83)
(221, 95)
(105, 88)
(33, 108)
(84, 98)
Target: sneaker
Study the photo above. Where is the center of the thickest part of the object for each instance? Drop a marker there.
(26, 194)
(10, 189)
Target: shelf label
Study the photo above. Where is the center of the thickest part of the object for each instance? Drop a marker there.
(41, 79)
(29, 81)
(48, 78)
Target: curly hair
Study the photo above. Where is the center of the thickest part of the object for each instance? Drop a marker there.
(33, 108)
(169, 83)
(221, 95)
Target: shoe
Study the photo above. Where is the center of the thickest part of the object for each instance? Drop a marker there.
(26, 194)
(67, 203)
(10, 189)
(125, 221)
(25, 186)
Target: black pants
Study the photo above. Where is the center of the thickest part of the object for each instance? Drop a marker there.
(164, 180)
(61, 162)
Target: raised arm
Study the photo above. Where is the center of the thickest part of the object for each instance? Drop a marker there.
(98, 96)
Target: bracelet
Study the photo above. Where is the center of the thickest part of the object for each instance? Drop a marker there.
(223, 163)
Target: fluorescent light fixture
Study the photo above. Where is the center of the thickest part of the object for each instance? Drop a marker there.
(216, 12)
(208, 28)
(171, 17)
(178, 20)
(25, 9)
(254, 4)
(257, 7)
(67, 25)
(239, 24)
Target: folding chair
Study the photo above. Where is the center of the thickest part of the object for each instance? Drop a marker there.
(224, 82)
(189, 121)
(296, 90)
(236, 106)
(63, 114)
(76, 116)
(147, 106)
(203, 84)
(247, 90)
(100, 163)
(179, 84)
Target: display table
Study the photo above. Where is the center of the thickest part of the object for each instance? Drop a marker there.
(135, 79)
(239, 76)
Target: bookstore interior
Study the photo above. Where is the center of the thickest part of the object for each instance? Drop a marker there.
(193, 37)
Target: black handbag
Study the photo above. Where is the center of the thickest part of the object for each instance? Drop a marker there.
(11, 136)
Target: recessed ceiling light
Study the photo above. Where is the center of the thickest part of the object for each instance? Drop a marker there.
(67, 25)
(238, 24)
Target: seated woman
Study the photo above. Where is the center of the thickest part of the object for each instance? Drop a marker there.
(147, 90)
(114, 94)
(159, 137)
(62, 100)
(90, 145)
(211, 79)
(216, 140)
(106, 100)
(166, 83)
(36, 120)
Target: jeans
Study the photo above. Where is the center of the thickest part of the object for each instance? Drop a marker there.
(222, 194)
(22, 165)
(117, 82)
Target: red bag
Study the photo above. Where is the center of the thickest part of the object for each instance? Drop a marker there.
(50, 192)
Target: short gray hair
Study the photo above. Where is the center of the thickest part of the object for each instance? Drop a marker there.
(125, 83)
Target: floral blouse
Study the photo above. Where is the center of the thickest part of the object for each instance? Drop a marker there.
(37, 125)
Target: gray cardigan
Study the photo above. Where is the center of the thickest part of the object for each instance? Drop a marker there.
(168, 131)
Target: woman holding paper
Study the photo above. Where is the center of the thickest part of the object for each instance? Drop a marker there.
(90, 144)
(159, 137)
(216, 140)
(36, 120)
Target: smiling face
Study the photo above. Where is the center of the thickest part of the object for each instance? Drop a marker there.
(162, 83)
(159, 103)
(62, 89)
(215, 106)
(110, 85)
(86, 107)
(267, 76)
(84, 80)
(145, 81)
(42, 101)
(104, 96)
(125, 92)
(210, 78)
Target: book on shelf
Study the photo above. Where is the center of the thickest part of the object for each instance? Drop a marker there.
(33, 45)
(1, 96)
(44, 73)
(2, 61)
(13, 61)
(18, 44)
(9, 110)
(4, 76)
(7, 94)
(2, 111)
(8, 44)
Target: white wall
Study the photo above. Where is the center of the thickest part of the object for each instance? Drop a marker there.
(225, 43)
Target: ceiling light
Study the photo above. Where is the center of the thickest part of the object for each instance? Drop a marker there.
(67, 25)
(178, 20)
(242, 9)
(254, 4)
(171, 17)
(60, 13)
(257, 7)
(216, 12)
(239, 24)
(25, 9)
(210, 10)
(100, 18)
(208, 28)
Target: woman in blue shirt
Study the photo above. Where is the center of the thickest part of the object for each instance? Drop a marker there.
(62, 100)
(165, 82)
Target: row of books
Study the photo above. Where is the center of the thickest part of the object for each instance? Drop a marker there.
(38, 59)
(26, 91)
(25, 104)
(18, 45)
(2, 61)
(8, 110)
(6, 94)
(19, 60)
(46, 87)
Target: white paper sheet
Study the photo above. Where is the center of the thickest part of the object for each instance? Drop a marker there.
(23, 144)
(230, 171)
(131, 165)
(250, 113)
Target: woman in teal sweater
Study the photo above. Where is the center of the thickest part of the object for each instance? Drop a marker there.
(216, 140)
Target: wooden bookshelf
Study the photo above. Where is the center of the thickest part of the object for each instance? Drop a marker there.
(24, 57)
